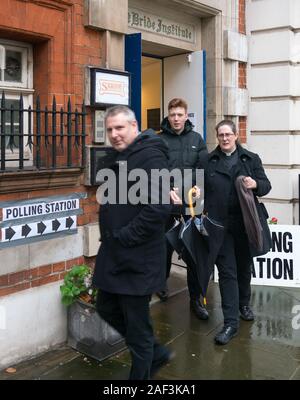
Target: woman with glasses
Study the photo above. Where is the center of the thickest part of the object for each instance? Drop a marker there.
(223, 165)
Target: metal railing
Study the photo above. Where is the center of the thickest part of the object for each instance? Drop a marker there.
(36, 138)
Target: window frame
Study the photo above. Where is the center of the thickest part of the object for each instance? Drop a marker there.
(13, 90)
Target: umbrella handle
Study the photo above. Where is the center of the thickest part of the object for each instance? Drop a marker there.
(190, 197)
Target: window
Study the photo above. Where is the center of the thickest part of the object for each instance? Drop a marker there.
(16, 65)
(16, 78)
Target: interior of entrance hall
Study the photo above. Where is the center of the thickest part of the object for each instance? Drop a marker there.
(151, 93)
(175, 75)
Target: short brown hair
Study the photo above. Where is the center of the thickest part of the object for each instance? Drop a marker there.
(227, 122)
(177, 102)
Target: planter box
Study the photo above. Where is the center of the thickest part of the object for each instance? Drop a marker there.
(89, 334)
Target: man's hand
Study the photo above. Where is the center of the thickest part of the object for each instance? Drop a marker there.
(174, 197)
(196, 192)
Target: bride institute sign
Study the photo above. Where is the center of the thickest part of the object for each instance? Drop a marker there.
(142, 20)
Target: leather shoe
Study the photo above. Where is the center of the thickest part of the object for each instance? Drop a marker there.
(158, 364)
(225, 335)
(198, 309)
(163, 294)
(246, 313)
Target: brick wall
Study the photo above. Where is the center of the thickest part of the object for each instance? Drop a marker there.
(33, 277)
(242, 16)
(62, 48)
(242, 75)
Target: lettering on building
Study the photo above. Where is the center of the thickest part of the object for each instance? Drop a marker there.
(142, 20)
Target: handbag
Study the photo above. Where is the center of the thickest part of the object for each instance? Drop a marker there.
(266, 233)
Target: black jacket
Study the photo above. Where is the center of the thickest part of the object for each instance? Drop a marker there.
(186, 151)
(221, 200)
(131, 258)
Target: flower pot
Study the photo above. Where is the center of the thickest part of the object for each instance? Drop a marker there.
(90, 334)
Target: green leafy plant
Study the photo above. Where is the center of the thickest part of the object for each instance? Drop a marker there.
(78, 285)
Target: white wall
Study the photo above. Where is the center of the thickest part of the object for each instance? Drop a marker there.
(35, 320)
(41, 253)
(274, 91)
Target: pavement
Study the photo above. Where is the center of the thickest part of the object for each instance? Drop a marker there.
(265, 349)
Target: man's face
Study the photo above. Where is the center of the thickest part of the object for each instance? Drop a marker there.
(121, 133)
(177, 117)
(227, 139)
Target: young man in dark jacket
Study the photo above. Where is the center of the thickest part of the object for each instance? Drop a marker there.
(130, 264)
(186, 150)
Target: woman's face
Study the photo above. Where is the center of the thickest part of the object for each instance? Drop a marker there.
(227, 139)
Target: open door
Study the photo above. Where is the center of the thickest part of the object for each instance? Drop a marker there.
(133, 65)
(184, 76)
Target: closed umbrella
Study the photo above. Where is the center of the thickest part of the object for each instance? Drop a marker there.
(198, 240)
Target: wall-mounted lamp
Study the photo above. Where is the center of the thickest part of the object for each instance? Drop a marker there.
(189, 58)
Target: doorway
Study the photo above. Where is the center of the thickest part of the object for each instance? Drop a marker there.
(160, 73)
(151, 92)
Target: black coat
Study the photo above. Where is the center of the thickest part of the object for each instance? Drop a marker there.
(221, 200)
(186, 151)
(131, 258)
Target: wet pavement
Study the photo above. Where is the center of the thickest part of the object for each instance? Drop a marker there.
(265, 349)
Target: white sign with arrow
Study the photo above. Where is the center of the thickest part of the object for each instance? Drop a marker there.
(39, 228)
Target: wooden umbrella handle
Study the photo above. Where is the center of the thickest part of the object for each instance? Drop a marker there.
(190, 197)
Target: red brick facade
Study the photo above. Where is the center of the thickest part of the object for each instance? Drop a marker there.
(62, 48)
(242, 77)
(29, 278)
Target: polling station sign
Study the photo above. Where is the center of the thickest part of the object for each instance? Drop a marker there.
(281, 266)
(39, 219)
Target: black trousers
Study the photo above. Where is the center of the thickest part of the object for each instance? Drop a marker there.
(130, 316)
(192, 280)
(234, 264)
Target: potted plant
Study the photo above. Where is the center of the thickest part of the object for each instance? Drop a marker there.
(87, 331)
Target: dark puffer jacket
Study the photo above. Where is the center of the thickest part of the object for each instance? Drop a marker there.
(131, 258)
(187, 151)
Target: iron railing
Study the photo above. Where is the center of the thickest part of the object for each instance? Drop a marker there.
(36, 138)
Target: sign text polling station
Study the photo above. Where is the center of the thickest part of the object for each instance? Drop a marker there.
(281, 266)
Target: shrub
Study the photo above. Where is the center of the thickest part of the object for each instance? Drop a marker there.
(78, 285)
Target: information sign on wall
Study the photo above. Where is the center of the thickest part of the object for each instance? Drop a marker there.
(109, 87)
(26, 221)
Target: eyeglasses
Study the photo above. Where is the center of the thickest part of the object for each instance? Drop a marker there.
(225, 135)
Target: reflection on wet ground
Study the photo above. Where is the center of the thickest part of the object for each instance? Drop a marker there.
(267, 348)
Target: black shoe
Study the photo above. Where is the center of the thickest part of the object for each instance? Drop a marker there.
(163, 294)
(225, 335)
(158, 364)
(246, 313)
(198, 309)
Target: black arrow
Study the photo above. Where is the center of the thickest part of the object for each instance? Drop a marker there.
(9, 233)
(41, 227)
(25, 230)
(69, 222)
(55, 225)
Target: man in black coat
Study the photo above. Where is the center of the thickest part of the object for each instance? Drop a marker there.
(186, 150)
(130, 264)
(223, 165)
